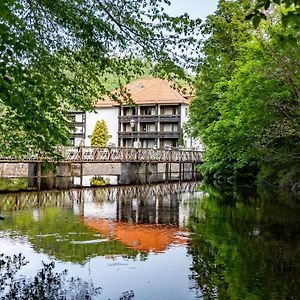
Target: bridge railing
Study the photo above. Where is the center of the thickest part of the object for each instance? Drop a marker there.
(116, 154)
(97, 154)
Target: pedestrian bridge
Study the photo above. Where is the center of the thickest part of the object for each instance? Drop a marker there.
(115, 154)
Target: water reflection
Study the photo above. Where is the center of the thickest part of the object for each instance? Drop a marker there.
(165, 241)
(70, 182)
(246, 245)
(46, 284)
(76, 225)
(132, 235)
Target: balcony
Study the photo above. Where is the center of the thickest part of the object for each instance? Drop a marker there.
(169, 134)
(138, 134)
(126, 119)
(77, 124)
(139, 118)
(169, 118)
(150, 118)
(77, 135)
(150, 134)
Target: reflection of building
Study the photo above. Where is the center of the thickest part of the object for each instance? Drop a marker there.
(143, 222)
(162, 209)
(156, 119)
(141, 237)
(145, 218)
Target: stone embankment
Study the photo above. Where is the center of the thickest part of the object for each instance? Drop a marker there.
(13, 169)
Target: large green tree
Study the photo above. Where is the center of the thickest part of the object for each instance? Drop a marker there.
(247, 105)
(54, 55)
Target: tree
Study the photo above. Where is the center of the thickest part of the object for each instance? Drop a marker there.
(260, 9)
(55, 54)
(100, 135)
(247, 105)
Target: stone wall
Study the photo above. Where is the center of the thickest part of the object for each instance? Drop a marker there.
(13, 169)
(74, 169)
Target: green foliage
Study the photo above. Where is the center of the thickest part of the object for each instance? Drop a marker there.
(244, 245)
(99, 181)
(13, 184)
(247, 105)
(261, 10)
(100, 135)
(55, 55)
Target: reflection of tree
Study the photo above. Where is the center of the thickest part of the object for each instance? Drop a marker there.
(99, 195)
(46, 284)
(246, 247)
(60, 233)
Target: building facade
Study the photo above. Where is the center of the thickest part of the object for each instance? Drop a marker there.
(155, 119)
(77, 127)
(157, 125)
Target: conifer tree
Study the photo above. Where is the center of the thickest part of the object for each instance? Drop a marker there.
(100, 134)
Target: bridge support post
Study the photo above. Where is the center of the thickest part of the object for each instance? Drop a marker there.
(39, 174)
(167, 172)
(147, 171)
(193, 170)
(180, 170)
(81, 166)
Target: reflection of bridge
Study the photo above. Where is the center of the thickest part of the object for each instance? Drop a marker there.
(123, 155)
(68, 198)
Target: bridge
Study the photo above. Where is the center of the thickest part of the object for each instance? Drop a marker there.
(89, 160)
(114, 154)
(97, 154)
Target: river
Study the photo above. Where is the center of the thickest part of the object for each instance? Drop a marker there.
(159, 241)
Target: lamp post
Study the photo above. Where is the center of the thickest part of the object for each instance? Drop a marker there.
(132, 124)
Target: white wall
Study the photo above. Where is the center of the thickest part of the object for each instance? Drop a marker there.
(184, 118)
(189, 142)
(110, 116)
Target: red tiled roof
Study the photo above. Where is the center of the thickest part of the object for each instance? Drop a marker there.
(148, 91)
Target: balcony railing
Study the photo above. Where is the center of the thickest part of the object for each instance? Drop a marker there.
(169, 134)
(152, 118)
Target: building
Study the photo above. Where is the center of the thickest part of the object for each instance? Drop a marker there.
(156, 119)
(77, 127)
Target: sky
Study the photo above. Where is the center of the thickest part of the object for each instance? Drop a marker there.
(195, 8)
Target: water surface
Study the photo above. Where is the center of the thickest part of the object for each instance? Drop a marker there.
(163, 241)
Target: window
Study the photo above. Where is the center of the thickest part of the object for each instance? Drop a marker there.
(129, 111)
(148, 143)
(169, 127)
(148, 127)
(79, 118)
(127, 127)
(169, 110)
(148, 110)
(168, 143)
(79, 129)
(127, 143)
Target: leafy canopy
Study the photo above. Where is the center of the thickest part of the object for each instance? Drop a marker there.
(55, 55)
(247, 105)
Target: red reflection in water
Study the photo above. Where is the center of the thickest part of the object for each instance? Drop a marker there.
(141, 237)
